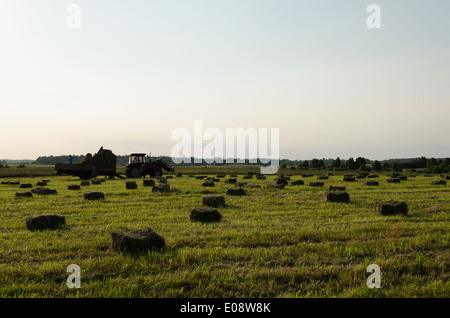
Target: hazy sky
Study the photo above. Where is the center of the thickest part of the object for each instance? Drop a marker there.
(137, 70)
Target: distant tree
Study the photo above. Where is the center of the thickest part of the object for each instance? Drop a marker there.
(360, 161)
(396, 166)
(305, 164)
(283, 165)
(376, 166)
(350, 164)
(336, 163)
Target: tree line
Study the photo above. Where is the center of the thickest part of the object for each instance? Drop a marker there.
(431, 165)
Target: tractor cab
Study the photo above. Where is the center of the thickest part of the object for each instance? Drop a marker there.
(138, 158)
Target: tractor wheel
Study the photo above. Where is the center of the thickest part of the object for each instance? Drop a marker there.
(135, 172)
(157, 173)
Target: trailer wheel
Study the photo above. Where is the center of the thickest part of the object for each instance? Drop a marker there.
(157, 173)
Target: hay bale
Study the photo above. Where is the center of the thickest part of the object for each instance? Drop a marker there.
(131, 185)
(322, 177)
(403, 178)
(148, 183)
(316, 184)
(220, 176)
(13, 182)
(348, 178)
(214, 201)
(44, 191)
(298, 182)
(336, 188)
(281, 180)
(372, 183)
(371, 176)
(94, 195)
(200, 177)
(85, 183)
(25, 186)
(137, 241)
(205, 215)
(446, 177)
(340, 196)
(24, 194)
(41, 184)
(240, 184)
(247, 177)
(276, 186)
(96, 181)
(231, 181)
(252, 185)
(208, 184)
(233, 175)
(439, 182)
(45, 222)
(73, 187)
(393, 180)
(236, 192)
(179, 175)
(260, 177)
(169, 177)
(391, 208)
(162, 188)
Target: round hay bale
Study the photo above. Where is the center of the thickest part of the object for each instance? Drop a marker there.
(44, 222)
(85, 183)
(340, 196)
(214, 201)
(393, 180)
(316, 184)
(148, 183)
(73, 187)
(391, 208)
(44, 191)
(162, 188)
(94, 195)
(439, 182)
(208, 184)
(205, 215)
(231, 181)
(137, 241)
(25, 186)
(24, 194)
(298, 182)
(372, 183)
(349, 178)
(236, 192)
(131, 185)
(336, 188)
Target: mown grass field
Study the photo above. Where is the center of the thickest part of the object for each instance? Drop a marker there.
(271, 243)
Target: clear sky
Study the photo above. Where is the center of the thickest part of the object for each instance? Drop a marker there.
(137, 70)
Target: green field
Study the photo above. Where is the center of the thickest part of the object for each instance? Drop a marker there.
(271, 243)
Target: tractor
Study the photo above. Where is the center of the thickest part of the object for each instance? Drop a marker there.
(139, 165)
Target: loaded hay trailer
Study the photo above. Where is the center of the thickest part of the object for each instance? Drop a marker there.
(102, 163)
